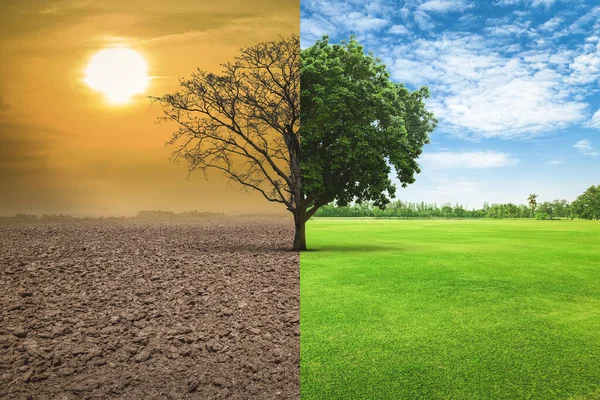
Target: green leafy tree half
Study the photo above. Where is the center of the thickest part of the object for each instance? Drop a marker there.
(587, 206)
(355, 125)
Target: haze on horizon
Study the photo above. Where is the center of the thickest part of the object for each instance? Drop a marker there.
(65, 149)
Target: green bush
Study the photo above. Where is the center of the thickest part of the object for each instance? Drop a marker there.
(542, 215)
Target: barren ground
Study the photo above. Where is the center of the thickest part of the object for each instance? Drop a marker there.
(149, 310)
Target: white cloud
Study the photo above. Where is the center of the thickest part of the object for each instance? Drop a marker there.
(552, 24)
(315, 28)
(595, 121)
(467, 20)
(467, 159)
(362, 23)
(533, 3)
(512, 29)
(585, 68)
(515, 108)
(344, 16)
(414, 72)
(423, 20)
(546, 3)
(479, 92)
(445, 6)
(582, 24)
(585, 147)
(330, 17)
(508, 2)
(398, 30)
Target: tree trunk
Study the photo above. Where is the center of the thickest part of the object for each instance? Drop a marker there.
(300, 235)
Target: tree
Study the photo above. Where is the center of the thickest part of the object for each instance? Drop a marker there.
(355, 124)
(546, 208)
(447, 210)
(244, 122)
(532, 201)
(587, 206)
(561, 208)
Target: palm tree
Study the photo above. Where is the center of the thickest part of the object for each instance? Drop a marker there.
(532, 202)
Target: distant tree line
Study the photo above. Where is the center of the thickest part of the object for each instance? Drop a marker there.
(20, 217)
(586, 206)
(32, 217)
(400, 209)
(170, 214)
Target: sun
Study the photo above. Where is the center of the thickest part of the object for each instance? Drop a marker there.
(119, 73)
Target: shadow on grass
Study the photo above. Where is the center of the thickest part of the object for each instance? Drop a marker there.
(283, 249)
(351, 249)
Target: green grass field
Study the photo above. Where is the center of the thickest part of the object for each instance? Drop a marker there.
(450, 309)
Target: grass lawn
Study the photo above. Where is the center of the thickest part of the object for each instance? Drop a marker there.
(450, 309)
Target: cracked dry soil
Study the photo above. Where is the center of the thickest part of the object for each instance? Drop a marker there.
(129, 309)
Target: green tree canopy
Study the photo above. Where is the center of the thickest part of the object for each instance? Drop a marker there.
(355, 125)
(587, 206)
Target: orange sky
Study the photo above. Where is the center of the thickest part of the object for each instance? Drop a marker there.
(63, 148)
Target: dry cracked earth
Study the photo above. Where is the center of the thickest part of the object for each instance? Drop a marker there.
(129, 309)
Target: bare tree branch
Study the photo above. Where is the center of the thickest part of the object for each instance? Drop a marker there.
(245, 121)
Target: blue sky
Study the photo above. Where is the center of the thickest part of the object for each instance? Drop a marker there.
(514, 84)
